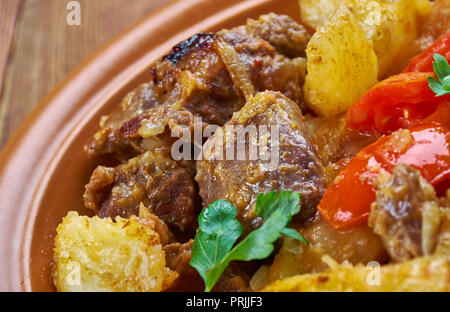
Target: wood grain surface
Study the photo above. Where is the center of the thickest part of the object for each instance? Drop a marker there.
(44, 48)
(8, 14)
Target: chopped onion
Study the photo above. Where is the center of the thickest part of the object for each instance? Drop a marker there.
(237, 70)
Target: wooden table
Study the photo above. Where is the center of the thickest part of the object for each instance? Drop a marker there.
(38, 48)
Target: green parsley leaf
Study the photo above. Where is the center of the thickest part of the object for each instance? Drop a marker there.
(211, 252)
(218, 231)
(446, 83)
(441, 86)
(437, 87)
(295, 235)
(441, 67)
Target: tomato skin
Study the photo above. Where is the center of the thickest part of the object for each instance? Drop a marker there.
(440, 116)
(346, 202)
(397, 102)
(424, 61)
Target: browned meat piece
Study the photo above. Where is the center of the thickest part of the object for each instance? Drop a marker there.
(178, 256)
(233, 279)
(239, 181)
(209, 76)
(148, 219)
(407, 214)
(177, 259)
(358, 245)
(160, 183)
(149, 131)
(281, 31)
(267, 69)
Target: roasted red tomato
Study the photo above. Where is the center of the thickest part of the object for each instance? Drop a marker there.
(441, 115)
(346, 203)
(424, 61)
(397, 102)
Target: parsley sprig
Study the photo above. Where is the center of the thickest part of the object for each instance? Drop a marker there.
(219, 230)
(441, 86)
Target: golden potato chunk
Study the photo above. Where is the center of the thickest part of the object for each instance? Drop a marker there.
(341, 65)
(316, 13)
(93, 254)
(390, 25)
(392, 28)
(420, 274)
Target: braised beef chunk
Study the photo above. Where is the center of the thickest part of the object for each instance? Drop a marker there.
(233, 279)
(147, 131)
(268, 69)
(209, 76)
(178, 257)
(152, 178)
(408, 216)
(295, 166)
(198, 41)
(281, 31)
(151, 221)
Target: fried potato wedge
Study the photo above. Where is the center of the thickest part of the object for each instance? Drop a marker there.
(341, 64)
(390, 25)
(420, 274)
(392, 28)
(315, 13)
(93, 254)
